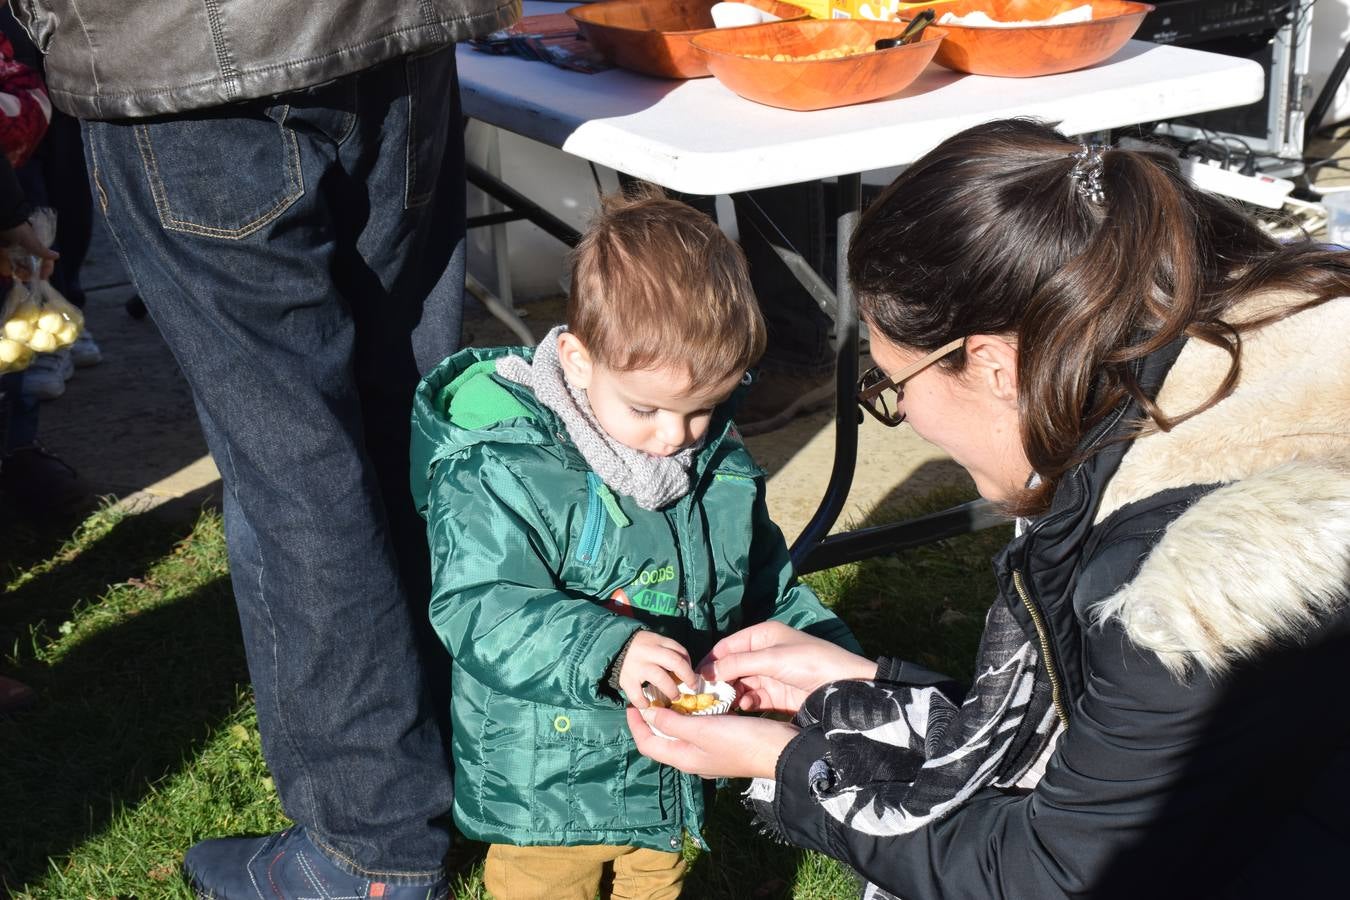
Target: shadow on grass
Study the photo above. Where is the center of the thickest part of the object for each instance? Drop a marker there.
(25, 542)
(120, 709)
(35, 610)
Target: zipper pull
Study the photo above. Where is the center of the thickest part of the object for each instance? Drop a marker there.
(612, 506)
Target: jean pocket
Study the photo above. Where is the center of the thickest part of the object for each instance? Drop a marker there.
(429, 79)
(221, 176)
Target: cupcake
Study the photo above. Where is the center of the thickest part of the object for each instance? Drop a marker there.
(703, 698)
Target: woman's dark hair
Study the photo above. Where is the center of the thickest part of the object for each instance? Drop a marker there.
(989, 234)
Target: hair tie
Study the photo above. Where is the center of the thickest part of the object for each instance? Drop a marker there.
(1087, 171)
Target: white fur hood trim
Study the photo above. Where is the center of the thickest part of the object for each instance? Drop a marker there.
(1255, 561)
(1265, 556)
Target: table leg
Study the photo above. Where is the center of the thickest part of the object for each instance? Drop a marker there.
(846, 379)
(814, 548)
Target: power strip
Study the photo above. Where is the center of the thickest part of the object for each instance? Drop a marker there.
(1258, 190)
(1209, 175)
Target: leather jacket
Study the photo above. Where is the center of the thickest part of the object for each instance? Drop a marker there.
(112, 59)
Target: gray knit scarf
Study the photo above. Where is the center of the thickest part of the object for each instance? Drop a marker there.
(653, 481)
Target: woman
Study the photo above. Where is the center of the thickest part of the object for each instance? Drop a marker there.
(1161, 395)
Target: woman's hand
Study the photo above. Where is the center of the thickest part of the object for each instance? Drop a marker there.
(712, 746)
(654, 659)
(775, 666)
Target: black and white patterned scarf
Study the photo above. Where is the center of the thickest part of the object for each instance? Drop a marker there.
(903, 756)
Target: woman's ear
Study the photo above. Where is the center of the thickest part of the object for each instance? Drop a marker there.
(991, 360)
(576, 360)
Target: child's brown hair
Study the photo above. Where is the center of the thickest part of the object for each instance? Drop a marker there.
(656, 283)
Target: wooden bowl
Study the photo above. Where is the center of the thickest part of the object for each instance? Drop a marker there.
(1040, 49)
(737, 58)
(652, 36)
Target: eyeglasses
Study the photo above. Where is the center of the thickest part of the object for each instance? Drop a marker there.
(880, 394)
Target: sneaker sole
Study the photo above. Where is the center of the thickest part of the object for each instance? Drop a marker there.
(46, 393)
(198, 892)
(807, 403)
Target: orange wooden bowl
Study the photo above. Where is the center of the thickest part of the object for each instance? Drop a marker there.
(735, 57)
(652, 36)
(1037, 49)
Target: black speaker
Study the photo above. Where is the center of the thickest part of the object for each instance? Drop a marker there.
(1271, 33)
(1188, 22)
(1252, 119)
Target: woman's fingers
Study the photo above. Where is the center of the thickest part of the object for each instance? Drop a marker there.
(711, 746)
(756, 637)
(738, 666)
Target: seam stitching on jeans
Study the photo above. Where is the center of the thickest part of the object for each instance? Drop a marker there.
(94, 172)
(369, 874)
(151, 165)
(296, 182)
(352, 117)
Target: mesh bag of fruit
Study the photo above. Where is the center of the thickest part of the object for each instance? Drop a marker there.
(35, 317)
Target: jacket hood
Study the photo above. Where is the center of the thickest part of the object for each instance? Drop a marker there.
(460, 403)
(1279, 447)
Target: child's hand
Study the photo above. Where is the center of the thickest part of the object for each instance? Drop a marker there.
(655, 660)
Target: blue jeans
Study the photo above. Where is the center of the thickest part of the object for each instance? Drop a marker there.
(303, 256)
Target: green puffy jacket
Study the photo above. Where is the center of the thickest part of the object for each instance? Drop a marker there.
(528, 546)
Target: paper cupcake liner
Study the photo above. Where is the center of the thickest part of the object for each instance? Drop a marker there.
(725, 693)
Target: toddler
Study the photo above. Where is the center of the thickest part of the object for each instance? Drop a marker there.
(595, 524)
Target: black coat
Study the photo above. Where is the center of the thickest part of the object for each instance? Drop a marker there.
(1191, 594)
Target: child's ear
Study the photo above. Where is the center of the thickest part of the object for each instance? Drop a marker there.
(993, 360)
(576, 360)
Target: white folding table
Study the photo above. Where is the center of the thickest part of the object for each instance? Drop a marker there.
(697, 137)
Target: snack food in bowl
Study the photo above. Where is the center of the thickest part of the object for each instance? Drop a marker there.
(652, 36)
(816, 64)
(1035, 45)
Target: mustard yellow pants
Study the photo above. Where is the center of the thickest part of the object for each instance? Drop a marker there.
(575, 873)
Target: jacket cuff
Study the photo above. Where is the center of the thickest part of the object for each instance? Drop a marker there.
(612, 676)
(800, 818)
(593, 657)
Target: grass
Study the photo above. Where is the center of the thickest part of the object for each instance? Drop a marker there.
(145, 740)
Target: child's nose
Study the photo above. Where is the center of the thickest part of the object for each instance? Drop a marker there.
(674, 430)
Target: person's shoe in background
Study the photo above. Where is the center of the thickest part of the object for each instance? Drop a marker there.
(46, 376)
(776, 399)
(41, 486)
(85, 352)
(291, 866)
(15, 696)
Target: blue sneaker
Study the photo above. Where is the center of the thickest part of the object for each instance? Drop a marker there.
(287, 866)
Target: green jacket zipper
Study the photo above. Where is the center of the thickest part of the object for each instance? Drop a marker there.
(1056, 686)
(593, 527)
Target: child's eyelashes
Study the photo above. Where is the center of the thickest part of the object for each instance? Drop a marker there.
(642, 413)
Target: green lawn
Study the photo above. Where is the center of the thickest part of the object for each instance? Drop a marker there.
(145, 740)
